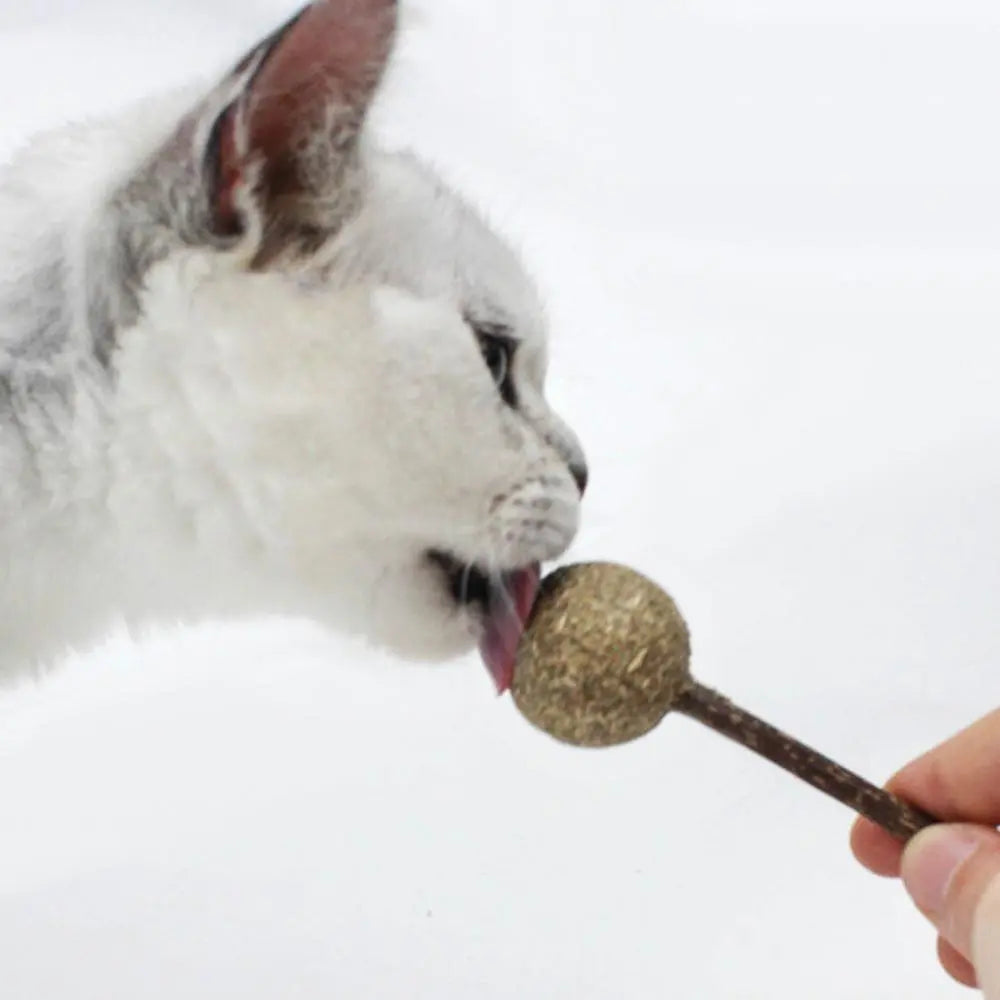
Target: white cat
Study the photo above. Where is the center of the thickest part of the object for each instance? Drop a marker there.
(250, 365)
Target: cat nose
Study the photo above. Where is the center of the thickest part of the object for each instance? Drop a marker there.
(581, 475)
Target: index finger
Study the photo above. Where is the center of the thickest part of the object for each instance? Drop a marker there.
(957, 781)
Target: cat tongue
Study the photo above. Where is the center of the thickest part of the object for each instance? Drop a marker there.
(506, 617)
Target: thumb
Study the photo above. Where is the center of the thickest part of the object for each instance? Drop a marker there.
(953, 875)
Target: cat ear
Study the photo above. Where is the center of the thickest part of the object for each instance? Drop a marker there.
(289, 136)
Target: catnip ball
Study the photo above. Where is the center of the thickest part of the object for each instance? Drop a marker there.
(605, 656)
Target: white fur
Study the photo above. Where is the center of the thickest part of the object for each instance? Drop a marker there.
(289, 440)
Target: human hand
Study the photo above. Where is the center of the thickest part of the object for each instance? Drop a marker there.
(952, 871)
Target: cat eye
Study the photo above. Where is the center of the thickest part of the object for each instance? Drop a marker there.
(498, 353)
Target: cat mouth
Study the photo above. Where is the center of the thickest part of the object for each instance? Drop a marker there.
(502, 603)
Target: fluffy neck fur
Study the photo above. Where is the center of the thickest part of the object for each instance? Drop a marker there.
(71, 560)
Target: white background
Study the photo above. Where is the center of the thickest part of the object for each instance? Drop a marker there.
(769, 234)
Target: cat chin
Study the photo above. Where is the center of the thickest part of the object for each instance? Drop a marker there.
(423, 637)
(402, 606)
(424, 648)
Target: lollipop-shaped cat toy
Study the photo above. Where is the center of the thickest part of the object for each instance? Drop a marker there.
(606, 656)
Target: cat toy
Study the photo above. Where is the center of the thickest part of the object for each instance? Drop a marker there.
(606, 657)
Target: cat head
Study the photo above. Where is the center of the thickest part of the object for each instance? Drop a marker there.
(365, 355)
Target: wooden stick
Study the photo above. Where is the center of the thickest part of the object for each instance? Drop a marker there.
(899, 818)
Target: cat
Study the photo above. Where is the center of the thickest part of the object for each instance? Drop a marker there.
(252, 364)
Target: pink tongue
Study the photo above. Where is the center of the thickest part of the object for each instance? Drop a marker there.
(507, 615)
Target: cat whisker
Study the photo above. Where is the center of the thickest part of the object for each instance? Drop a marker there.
(500, 584)
(464, 591)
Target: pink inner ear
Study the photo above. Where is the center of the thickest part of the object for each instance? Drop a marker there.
(335, 52)
(320, 74)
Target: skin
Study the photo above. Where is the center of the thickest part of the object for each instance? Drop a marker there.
(959, 782)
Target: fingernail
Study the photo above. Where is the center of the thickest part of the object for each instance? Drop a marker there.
(931, 862)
